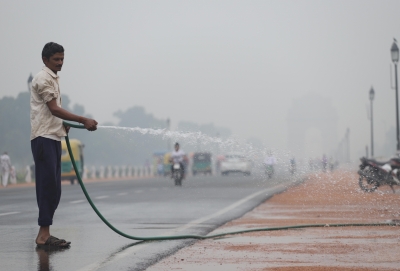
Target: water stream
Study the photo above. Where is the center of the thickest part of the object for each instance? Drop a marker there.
(216, 145)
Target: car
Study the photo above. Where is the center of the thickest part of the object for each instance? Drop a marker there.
(235, 162)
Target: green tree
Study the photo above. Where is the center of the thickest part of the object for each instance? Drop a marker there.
(15, 128)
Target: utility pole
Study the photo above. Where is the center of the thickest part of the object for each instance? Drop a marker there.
(394, 50)
(371, 98)
(348, 145)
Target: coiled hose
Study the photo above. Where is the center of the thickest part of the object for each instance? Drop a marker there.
(176, 237)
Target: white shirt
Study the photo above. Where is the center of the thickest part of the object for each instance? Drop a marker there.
(5, 162)
(177, 156)
(45, 88)
(270, 160)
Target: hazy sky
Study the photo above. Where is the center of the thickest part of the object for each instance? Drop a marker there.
(237, 64)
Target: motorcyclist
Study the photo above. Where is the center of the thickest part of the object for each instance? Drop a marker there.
(292, 165)
(178, 156)
(269, 163)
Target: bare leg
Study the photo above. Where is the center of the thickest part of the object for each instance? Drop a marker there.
(43, 235)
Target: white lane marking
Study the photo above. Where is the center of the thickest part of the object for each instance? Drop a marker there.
(77, 201)
(122, 194)
(131, 250)
(102, 197)
(9, 213)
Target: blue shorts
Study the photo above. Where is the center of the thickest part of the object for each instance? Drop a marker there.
(47, 156)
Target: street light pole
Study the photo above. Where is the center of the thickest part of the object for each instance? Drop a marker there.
(371, 98)
(348, 145)
(395, 58)
(397, 106)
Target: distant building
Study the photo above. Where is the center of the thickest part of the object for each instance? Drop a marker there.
(315, 113)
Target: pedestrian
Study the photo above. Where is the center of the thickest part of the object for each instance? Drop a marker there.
(13, 175)
(47, 129)
(5, 168)
(324, 163)
(160, 166)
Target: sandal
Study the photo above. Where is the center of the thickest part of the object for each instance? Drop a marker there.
(54, 242)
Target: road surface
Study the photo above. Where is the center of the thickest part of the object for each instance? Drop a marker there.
(144, 207)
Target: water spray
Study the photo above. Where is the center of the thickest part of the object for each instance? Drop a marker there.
(176, 237)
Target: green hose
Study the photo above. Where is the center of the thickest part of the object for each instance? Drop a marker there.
(157, 238)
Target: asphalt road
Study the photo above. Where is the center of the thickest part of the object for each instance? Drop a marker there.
(146, 207)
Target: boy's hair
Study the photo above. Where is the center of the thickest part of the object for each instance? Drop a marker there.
(51, 48)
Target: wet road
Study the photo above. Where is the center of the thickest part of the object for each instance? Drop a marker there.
(147, 207)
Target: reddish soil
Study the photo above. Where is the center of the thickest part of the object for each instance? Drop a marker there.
(324, 198)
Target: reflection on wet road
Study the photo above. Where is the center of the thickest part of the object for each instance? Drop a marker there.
(148, 207)
(43, 255)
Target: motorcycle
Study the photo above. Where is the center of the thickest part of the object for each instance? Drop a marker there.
(269, 171)
(177, 173)
(292, 169)
(374, 174)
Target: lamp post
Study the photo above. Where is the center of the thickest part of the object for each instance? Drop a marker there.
(30, 78)
(371, 98)
(395, 58)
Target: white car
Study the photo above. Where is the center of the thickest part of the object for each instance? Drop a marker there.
(236, 162)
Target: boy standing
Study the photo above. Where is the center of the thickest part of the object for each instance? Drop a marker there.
(46, 132)
(5, 168)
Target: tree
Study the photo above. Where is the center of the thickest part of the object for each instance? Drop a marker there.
(15, 128)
